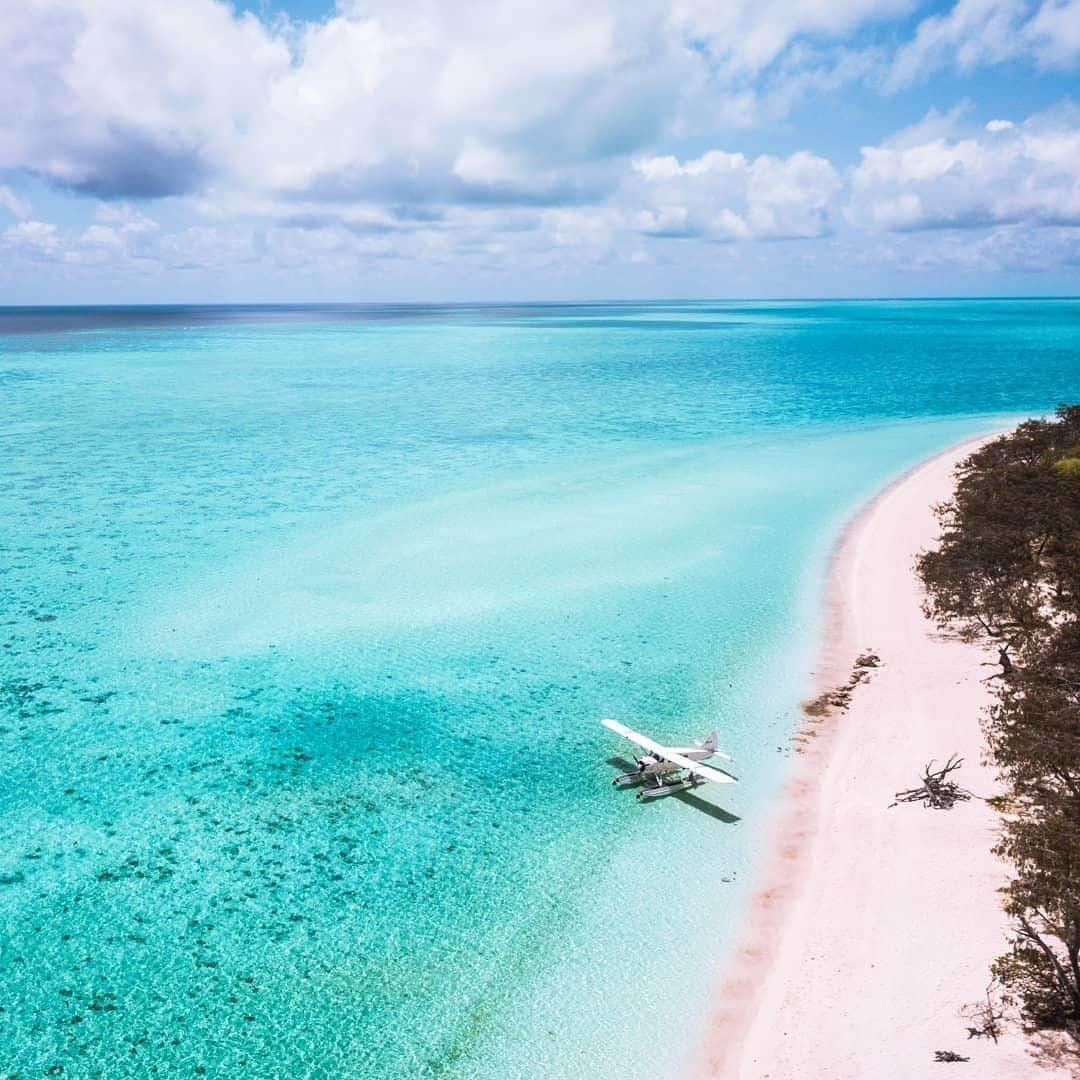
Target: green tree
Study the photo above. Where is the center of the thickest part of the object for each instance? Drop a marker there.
(1008, 568)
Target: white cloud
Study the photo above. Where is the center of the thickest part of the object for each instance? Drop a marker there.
(119, 237)
(123, 218)
(1009, 249)
(977, 33)
(31, 239)
(492, 133)
(1003, 174)
(748, 35)
(113, 98)
(390, 101)
(934, 125)
(14, 205)
(416, 101)
(722, 196)
(1055, 33)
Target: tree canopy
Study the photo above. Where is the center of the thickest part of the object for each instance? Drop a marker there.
(1008, 568)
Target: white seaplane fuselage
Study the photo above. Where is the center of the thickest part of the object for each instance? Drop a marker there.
(649, 766)
(663, 770)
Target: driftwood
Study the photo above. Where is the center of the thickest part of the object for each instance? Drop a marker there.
(936, 792)
(987, 1016)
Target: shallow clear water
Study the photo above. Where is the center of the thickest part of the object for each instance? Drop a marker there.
(309, 616)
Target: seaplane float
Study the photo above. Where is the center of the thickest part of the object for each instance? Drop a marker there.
(663, 770)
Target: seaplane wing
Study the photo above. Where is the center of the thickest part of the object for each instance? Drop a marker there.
(707, 771)
(635, 737)
(667, 753)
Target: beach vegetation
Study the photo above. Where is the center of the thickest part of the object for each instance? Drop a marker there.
(838, 698)
(1008, 569)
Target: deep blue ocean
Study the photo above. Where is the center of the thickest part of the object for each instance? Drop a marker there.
(308, 617)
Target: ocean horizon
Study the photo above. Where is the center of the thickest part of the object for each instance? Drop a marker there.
(311, 616)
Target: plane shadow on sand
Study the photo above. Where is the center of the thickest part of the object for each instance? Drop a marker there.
(688, 797)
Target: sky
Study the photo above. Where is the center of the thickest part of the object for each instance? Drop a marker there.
(172, 151)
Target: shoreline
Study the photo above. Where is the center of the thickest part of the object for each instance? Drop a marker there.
(869, 926)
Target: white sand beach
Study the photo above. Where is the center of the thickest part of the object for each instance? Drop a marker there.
(873, 925)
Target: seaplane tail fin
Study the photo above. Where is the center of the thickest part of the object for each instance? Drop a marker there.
(710, 745)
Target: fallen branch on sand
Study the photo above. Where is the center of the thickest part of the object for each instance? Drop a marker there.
(936, 792)
(986, 1016)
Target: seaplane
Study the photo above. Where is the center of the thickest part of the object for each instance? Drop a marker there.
(663, 770)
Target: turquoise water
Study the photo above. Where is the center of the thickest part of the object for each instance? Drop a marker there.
(309, 617)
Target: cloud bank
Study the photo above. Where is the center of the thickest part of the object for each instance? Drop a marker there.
(411, 101)
(1006, 174)
(489, 132)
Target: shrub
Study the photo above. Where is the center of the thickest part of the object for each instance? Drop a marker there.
(1008, 568)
